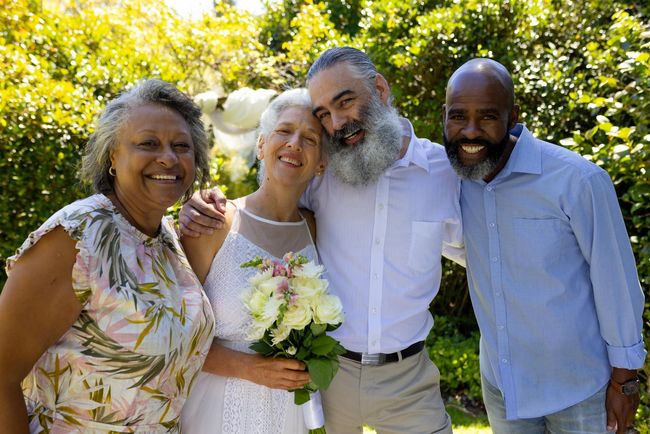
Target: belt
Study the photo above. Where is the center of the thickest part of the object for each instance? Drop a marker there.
(381, 358)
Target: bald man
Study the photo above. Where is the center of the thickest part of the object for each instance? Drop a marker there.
(551, 273)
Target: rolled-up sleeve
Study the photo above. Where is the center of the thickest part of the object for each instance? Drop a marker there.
(597, 222)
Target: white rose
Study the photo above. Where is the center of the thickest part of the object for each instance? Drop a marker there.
(308, 270)
(256, 331)
(328, 310)
(255, 302)
(297, 316)
(308, 288)
(243, 107)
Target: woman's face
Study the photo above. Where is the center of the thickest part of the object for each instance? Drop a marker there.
(292, 151)
(154, 158)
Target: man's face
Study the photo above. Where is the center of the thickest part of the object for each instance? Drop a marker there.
(365, 130)
(339, 95)
(477, 120)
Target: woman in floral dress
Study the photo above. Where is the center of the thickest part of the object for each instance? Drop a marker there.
(239, 391)
(103, 324)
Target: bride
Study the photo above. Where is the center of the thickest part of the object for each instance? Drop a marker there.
(239, 391)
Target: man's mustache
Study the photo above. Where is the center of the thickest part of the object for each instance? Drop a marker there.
(348, 128)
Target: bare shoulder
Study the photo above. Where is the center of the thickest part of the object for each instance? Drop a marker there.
(311, 221)
(201, 250)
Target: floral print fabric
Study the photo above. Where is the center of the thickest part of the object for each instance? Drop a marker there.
(128, 362)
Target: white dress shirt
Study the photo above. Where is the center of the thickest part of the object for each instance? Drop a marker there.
(381, 245)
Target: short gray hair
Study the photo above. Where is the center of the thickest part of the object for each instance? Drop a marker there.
(357, 59)
(298, 97)
(96, 161)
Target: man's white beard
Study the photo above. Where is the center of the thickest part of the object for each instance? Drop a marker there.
(363, 163)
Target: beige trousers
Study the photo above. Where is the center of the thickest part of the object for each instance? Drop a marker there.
(395, 398)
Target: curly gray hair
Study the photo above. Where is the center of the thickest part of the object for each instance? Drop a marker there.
(96, 162)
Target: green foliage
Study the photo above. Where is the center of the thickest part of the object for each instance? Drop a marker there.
(456, 356)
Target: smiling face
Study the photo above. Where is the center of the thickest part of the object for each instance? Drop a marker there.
(153, 160)
(292, 150)
(478, 115)
(365, 131)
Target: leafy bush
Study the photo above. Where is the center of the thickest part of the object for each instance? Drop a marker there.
(456, 356)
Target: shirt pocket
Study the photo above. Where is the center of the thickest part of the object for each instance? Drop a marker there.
(539, 243)
(426, 246)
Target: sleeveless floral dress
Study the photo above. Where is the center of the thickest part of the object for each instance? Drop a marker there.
(227, 405)
(128, 362)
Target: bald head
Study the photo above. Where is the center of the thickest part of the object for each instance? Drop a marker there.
(483, 69)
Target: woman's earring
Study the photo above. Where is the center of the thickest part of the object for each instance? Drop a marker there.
(111, 171)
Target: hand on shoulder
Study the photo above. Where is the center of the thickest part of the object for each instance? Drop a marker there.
(201, 250)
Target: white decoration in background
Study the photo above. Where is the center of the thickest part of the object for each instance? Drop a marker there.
(235, 127)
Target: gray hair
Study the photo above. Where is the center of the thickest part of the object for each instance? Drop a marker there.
(96, 162)
(298, 97)
(357, 59)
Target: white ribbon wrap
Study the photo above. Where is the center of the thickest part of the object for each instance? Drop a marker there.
(312, 411)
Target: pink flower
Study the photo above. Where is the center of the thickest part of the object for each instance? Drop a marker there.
(282, 288)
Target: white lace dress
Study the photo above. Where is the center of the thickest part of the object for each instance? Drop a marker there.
(230, 405)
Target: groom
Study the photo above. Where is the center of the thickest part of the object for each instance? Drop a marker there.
(386, 209)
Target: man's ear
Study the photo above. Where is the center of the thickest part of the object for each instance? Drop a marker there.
(514, 116)
(260, 147)
(383, 89)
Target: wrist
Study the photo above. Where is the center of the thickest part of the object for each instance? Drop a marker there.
(621, 375)
(628, 388)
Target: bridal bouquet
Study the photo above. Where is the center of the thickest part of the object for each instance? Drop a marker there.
(291, 312)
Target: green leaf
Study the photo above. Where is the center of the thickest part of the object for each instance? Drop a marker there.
(318, 329)
(252, 263)
(321, 371)
(300, 396)
(262, 347)
(323, 344)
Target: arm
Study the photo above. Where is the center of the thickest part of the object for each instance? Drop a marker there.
(37, 306)
(203, 213)
(275, 373)
(598, 225)
(201, 250)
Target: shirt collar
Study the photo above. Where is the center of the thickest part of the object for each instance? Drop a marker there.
(526, 157)
(415, 153)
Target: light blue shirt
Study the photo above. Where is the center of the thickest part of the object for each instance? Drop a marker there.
(552, 278)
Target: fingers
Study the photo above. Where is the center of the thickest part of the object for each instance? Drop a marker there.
(283, 374)
(216, 197)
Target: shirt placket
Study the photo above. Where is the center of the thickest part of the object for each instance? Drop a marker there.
(377, 264)
(496, 261)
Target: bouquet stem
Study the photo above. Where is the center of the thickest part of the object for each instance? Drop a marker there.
(312, 412)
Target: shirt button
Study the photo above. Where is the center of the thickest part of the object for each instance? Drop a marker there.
(489, 189)
(504, 360)
(374, 310)
(377, 241)
(375, 275)
(491, 225)
(498, 293)
(494, 258)
(500, 327)
(380, 206)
